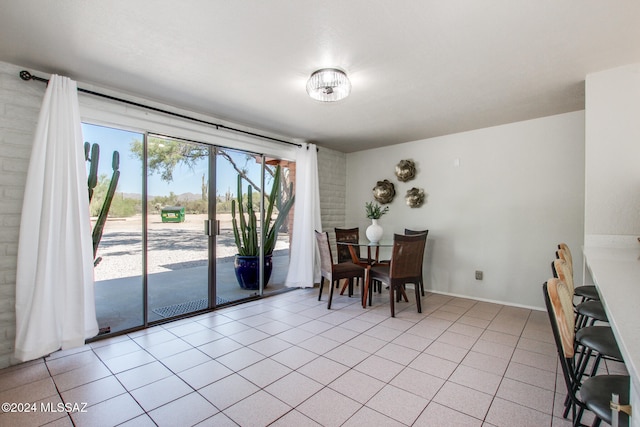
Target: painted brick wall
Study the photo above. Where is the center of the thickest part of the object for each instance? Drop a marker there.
(19, 108)
(332, 176)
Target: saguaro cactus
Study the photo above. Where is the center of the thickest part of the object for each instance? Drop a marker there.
(245, 229)
(92, 155)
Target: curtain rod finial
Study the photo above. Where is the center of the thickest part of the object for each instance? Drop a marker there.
(25, 75)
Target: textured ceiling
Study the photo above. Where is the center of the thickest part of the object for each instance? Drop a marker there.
(419, 68)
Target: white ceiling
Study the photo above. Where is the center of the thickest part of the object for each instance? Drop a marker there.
(419, 68)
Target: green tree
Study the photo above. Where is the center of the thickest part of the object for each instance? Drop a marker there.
(163, 155)
(122, 207)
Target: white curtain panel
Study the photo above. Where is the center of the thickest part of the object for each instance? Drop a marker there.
(55, 306)
(304, 265)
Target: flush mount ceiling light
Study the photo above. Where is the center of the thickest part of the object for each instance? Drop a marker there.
(328, 85)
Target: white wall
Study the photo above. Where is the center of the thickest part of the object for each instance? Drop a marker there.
(517, 192)
(612, 182)
(612, 175)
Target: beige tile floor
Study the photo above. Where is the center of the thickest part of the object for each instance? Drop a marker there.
(288, 361)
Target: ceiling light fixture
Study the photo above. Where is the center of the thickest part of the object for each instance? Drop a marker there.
(328, 85)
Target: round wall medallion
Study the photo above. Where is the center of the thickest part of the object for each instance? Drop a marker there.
(415, 197)
(384, 191)
(406, 170)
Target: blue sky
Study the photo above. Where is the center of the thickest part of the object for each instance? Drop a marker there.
(185, 179)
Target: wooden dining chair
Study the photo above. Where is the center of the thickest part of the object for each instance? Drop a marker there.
(409, 232)
(405, 267)
(334, 272)
(348, 235)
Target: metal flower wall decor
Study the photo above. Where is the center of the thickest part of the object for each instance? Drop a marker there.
(406, 170)
(415, 197)
(384, 191)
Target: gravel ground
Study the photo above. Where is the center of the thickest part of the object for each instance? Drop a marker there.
(172, 246)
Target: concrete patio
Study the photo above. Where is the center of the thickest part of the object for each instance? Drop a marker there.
(176, 265)
(119, 302)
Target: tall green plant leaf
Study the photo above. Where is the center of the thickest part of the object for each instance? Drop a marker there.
(245, 229)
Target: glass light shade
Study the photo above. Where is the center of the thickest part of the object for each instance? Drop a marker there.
(328, 85)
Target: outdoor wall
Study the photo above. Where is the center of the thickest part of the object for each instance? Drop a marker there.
(612, 183)
(499, 200)
(19, 108)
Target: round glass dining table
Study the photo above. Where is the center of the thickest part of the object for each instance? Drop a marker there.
(370, 260)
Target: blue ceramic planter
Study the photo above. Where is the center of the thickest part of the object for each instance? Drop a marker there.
(247, 273)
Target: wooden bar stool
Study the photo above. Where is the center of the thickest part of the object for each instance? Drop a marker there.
(594, 393)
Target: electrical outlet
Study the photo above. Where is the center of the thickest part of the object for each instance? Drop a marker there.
(478, 275)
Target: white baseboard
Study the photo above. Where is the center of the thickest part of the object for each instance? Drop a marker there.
(510, 304)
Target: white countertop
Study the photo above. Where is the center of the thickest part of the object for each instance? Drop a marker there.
(616, 273)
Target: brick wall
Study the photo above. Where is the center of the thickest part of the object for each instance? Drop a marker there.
(19, 108)
(332, 176)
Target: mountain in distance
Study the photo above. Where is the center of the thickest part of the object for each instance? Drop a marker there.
(185, 197)
(189, 197)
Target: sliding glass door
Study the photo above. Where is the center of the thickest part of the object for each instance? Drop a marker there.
(118, 270)
(169, 247)
(234, 281)
(247, 181)
(177, 211)
(283, 201)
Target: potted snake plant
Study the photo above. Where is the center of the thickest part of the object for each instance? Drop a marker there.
(245, 231)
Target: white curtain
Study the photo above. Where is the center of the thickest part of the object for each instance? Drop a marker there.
(304, 265)
(55, 307)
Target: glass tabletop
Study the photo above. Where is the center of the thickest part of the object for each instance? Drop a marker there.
(381, 244)
(373, 251)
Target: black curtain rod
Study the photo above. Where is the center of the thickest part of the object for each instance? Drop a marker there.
(25, 75)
